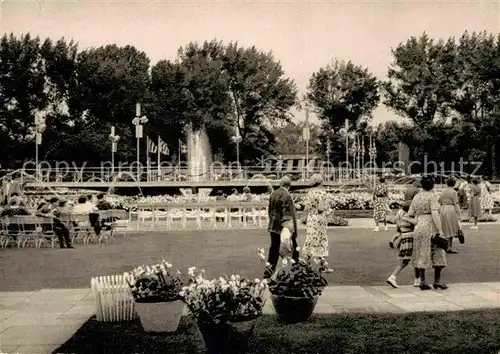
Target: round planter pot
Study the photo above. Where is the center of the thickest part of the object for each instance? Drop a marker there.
(227, 338)
(160, 316)
(294, 309)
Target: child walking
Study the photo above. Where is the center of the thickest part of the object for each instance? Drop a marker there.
(405, 226)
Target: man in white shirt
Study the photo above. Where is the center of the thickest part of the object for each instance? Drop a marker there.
(83, 206)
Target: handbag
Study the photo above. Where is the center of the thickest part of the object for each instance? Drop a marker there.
(286, 243)
(461, 236)
(439, 241)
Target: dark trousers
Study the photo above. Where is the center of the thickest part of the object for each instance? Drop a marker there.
(274, 252)
(62, 233)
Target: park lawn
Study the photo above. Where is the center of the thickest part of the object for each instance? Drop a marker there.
(358, 256)
(415, 333)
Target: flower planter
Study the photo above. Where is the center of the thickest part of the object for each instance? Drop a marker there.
(160, 316)
(227, 338)
(294, 309)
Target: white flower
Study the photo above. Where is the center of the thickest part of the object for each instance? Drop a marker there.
(285, 261)
(191, 271)
(292, 261)
(297, 248)
(257, 280)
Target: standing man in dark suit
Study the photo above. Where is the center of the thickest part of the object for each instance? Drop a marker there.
(281, 214)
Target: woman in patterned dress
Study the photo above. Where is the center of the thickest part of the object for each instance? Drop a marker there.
(405, 225)
(317, 207)
(486, 198)
(425, 207)
(380, 204)
(450, 213)
(475, 201)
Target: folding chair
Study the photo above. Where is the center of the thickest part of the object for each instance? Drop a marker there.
(30, 230)
(48, 234)
(4, 236)
(13, 231)
(81, 227)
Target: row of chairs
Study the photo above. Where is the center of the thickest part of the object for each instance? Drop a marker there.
(37, 231)
(202, 217)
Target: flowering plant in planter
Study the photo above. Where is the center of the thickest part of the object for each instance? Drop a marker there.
(302, 278)
(155, 283)
(227, 299)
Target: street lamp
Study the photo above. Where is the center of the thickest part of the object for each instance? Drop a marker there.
(40, 127)
(114, 147)
(138, 121)
(372, 153)
(328, 151)
(237, 140)
(306, 134)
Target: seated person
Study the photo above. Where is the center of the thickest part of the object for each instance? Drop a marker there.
(52, 210)
(83, 206)
(103, 204)
(15, 206)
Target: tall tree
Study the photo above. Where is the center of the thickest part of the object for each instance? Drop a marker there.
(35, 76)
(420, 82)
(289, 139)
(22, 84)
(228, 89)
(341, 91)
(111, 80)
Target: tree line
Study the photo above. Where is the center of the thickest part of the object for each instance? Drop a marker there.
(445, 93)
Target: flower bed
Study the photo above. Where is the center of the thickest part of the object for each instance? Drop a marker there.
(357, 200)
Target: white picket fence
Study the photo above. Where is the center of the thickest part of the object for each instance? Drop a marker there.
(113, 299)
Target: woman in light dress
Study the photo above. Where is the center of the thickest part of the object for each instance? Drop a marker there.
(486, 196)
(475, 201)
(405, 225)
(425, 207)
(380, 204)
(317, 207)
(450, 213)
(463, 198)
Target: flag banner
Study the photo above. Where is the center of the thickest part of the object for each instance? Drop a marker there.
(163, 147)
(153, 149)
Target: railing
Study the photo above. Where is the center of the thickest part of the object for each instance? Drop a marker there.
(108, 175)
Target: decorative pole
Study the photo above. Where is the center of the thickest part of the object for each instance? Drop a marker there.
(114, 148)
(40, 127)
(353, 155)
(307, 135)
(138, 121)
(358, 155)
(372, 152)
(363, 152)
(347, 147)
(344, 132)
(328, 150)
(237, 140)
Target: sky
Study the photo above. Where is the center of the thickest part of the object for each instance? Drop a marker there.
(303, 35)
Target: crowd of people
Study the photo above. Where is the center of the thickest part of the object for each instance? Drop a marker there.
(56, 209)
(429, 221)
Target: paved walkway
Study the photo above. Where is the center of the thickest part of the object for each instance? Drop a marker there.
(39, 322)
